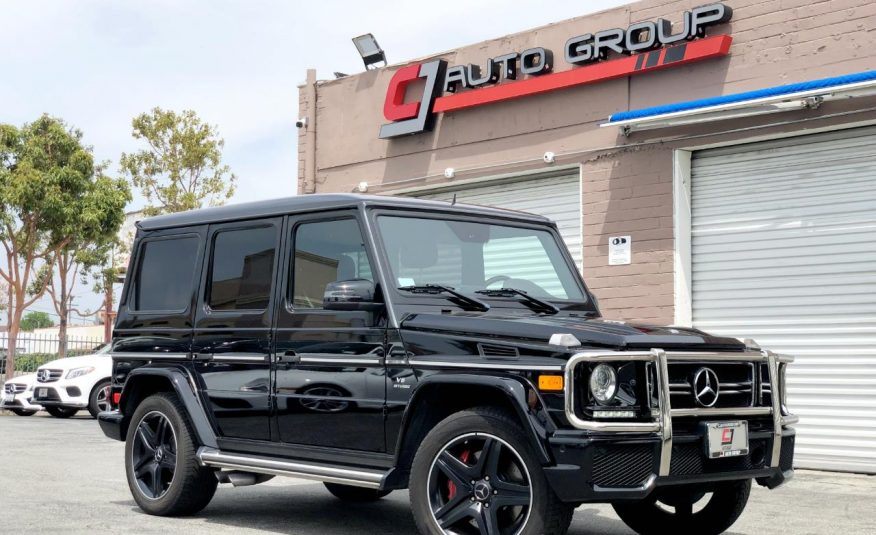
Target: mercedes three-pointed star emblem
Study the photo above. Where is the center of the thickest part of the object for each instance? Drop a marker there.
(706, 387)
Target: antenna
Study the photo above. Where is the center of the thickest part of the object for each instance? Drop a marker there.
(453, 202)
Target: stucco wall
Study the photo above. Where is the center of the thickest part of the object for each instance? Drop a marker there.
(626, 182)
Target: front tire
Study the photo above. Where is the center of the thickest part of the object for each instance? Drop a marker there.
(61, 412)
(476, 472)
(163, 473)
(99, 400)
(653, 516)
(349, 493)
(22, 412)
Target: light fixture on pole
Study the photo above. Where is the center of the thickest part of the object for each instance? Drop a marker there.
(369, 50)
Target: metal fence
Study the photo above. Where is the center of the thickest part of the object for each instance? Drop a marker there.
(34, 350)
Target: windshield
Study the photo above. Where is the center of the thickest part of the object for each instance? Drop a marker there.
(469, 256)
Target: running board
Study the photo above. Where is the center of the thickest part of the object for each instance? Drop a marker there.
(358, 477)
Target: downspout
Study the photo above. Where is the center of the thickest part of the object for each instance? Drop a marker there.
(308, 135)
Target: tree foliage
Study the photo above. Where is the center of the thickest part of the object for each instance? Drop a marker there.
(53, 199)
(36, 320)
(182, 167)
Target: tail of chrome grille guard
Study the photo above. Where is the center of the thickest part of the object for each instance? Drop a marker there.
(661, 422)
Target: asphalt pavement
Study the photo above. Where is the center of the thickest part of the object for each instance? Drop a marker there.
(64, 476)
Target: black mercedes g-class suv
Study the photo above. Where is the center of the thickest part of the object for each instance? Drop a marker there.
(380, 343)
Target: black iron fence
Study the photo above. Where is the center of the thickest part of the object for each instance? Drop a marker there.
(32, 350)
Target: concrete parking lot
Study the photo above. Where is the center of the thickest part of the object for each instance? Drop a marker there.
(65, 476)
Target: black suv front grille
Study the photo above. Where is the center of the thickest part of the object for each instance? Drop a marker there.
(736, 384)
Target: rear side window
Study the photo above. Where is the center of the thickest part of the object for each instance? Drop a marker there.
(242, 272)
(166, 274)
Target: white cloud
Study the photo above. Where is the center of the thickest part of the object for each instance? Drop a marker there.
(97, 63)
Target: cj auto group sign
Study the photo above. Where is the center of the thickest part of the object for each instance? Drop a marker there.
(647, 46)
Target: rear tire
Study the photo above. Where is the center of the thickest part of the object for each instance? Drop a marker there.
(22, 412)
(349, 493)
(62, 412)
(98, 401)
(652, 517)
(477, 472)
(163, 472)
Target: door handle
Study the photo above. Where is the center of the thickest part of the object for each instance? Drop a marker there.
(288, 357)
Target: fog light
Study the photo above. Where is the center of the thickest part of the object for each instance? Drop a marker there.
(603, 383)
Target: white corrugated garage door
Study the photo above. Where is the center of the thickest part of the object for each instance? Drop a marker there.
(784, 251)
(557, 197)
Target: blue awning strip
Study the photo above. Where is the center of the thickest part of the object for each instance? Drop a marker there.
(824, 83)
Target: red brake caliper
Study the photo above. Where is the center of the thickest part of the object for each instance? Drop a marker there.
(451, 486)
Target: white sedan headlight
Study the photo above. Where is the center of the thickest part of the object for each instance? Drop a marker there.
(79, 372)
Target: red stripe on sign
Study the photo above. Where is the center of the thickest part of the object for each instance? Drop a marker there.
(710, 47)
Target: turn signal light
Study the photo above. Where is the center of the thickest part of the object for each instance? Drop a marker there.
(550, 382)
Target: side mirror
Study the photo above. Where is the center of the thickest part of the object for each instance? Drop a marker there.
(356, 294)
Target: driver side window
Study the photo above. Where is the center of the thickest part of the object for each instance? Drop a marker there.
(326, 251)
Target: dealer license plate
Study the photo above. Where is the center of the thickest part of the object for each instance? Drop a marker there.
(726, 439)
(42, 392)
(8, 397)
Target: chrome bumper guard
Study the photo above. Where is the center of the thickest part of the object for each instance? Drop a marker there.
(662, 423)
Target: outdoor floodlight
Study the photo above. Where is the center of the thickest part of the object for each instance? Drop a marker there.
(369, 50)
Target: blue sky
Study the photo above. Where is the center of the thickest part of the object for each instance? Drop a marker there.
(98, 63)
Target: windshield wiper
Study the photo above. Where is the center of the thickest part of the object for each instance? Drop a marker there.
(532, 302)
(435, 289)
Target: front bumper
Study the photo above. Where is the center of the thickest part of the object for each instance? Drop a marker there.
(21, 401)
(608, 468)
(67, 394)
(613, 461)
(111, 424)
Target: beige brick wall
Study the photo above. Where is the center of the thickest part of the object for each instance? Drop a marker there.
(626, 182)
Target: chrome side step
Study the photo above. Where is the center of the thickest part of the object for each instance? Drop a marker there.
(358, 477)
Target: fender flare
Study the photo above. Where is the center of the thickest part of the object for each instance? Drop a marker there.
(514, 390)
(180, 381)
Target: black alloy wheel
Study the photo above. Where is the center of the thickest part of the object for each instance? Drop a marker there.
(478, 483)
(153, 456)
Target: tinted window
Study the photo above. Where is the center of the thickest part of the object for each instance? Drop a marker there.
(327, 251)
(242, 269)
(166, 274)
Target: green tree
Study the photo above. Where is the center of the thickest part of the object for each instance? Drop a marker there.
(102, 212)
(48, 186)
(36, 320)
(182, 167)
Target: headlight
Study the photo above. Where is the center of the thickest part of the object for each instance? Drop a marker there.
(603, 383)
(79, 372)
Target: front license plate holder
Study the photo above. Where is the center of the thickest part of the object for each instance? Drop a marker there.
(726, 439)
(9, 398)
(42, 392)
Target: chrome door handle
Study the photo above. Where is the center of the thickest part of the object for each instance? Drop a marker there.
(287, 357)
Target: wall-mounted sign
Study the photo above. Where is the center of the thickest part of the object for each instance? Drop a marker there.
(620, 250)
(646, 46)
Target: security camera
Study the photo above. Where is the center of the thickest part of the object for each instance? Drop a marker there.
(549, 157)
(301, 123)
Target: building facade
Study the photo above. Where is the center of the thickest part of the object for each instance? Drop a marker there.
(731, 147)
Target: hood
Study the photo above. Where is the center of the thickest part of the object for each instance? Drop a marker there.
(590, 332)
(69, 363)
(27, 379)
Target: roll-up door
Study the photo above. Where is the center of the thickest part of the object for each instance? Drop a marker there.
(783, 251)
(557, 197)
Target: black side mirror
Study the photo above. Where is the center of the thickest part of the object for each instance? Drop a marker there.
(356, 294)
